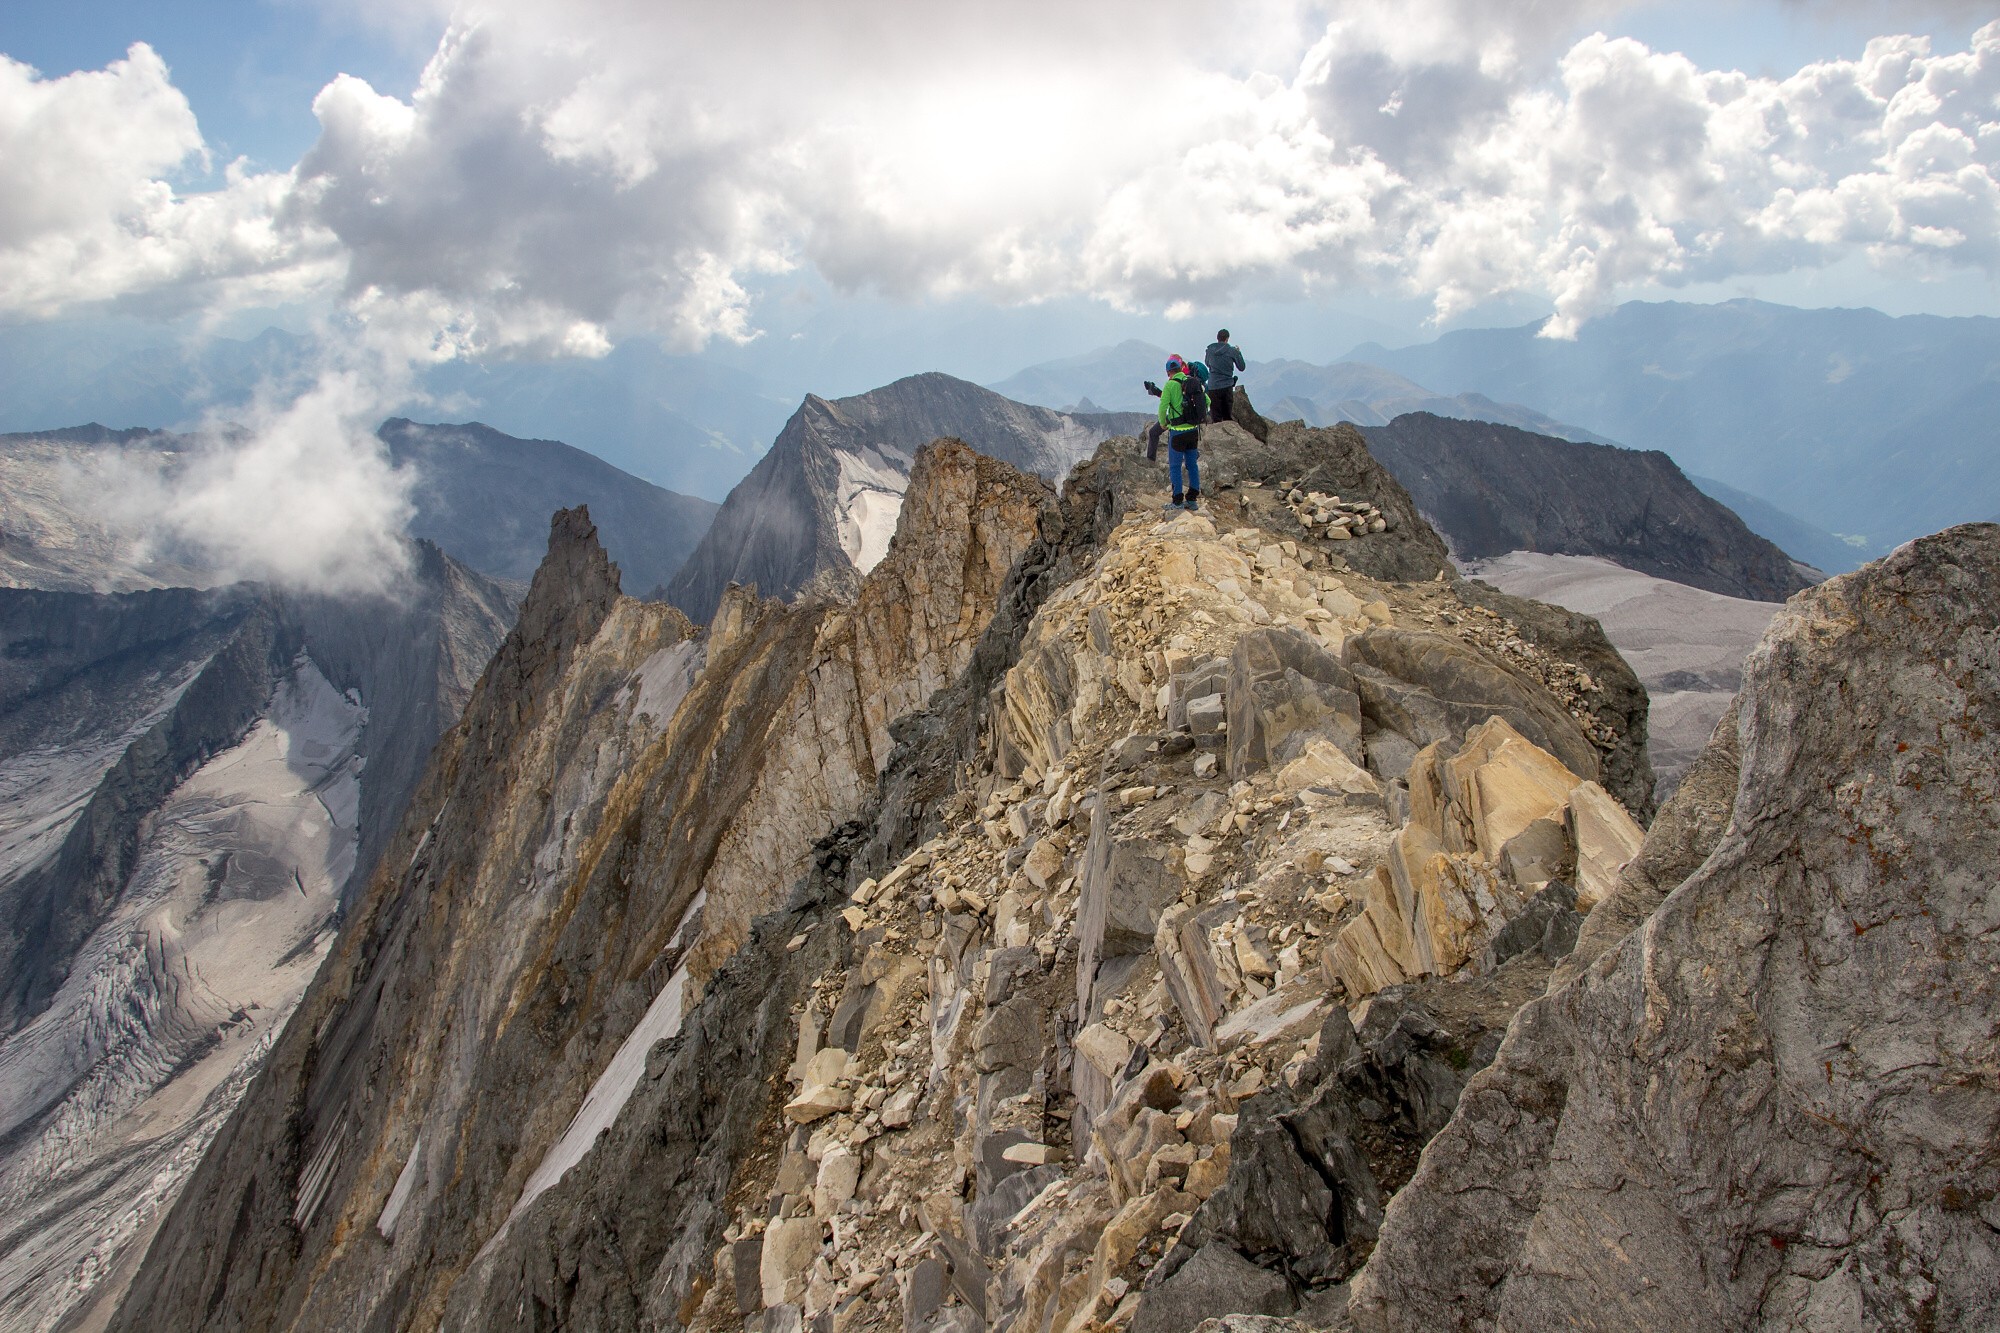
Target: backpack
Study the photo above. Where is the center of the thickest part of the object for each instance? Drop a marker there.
(1194, 404)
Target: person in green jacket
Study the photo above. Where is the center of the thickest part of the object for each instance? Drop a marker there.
(1183, 407)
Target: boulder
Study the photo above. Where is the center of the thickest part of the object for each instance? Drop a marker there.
(1548, 925)
(839, 1178)
(1122, 888)
(1206, 715)
(1429, 688)
(1324, 765)
(1274, 1206)
(1217, 1281)
(1607, 838)
(1181, 944)
(790, 1246)
(1500, 783)
(1285, 691)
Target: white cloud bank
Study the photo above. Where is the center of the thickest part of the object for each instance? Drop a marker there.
(298, 493)
(564, 175)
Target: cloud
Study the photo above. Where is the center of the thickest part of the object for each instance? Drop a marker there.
(562, 177)
(298, 493)
(87, 210)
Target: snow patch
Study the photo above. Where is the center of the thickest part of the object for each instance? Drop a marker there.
(869, 499)
(400, 1195)
(662, 681)
(614, 1087)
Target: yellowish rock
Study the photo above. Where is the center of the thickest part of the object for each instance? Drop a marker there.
(1325, 765)
(1607, 838)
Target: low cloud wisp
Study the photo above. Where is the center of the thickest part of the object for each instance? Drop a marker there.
(299, 494)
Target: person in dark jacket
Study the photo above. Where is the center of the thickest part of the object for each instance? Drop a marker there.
(1181, 415)
(1223, 361)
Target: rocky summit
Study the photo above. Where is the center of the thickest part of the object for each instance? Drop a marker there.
(1090, 917)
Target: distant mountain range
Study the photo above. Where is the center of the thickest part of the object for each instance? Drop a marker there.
(684, 422)
(1113, 377)
(821, 506)
(486, 497)
(1837, 421)
(1876, 427)
(1371, 395)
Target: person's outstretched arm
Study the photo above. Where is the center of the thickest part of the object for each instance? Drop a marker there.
(1236, 355)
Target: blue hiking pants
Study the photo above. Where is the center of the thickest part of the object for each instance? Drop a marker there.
(1179, 457)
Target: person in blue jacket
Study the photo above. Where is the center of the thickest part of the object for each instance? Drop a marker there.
(1183, 407)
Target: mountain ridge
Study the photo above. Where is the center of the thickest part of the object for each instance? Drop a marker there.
(820, 505)
(1494, 489)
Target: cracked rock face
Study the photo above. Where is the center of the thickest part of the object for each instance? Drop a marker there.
(1777, 1095)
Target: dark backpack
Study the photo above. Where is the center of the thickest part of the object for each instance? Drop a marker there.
(1194, 403)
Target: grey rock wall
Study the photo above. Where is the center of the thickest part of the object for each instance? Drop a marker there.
(1772, 1104)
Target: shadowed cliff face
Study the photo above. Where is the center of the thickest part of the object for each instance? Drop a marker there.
(591, 844)
(1494, 489)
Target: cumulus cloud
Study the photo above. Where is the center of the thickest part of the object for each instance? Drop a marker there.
(297, 492)
(87, 210)
(560, 177)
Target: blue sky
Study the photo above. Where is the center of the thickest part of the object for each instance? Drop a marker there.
(250, 69)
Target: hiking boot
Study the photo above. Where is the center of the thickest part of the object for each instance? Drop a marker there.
(1193, 499)
(1172, 506)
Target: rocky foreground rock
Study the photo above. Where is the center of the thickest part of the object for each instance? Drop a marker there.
(1774, 1104)
(1104, 920)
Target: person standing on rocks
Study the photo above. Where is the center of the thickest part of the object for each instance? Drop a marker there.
(1182, 410)
(1223, 361)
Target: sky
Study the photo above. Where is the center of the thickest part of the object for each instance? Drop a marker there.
(512, 177)
(423, 182)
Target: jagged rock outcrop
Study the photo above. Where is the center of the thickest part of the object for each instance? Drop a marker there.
(628, 796)
(1776, 1094)
(1054, 1024)
(191, 780)
(1492, 489)
(819, 508)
